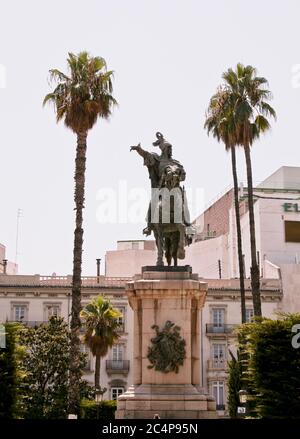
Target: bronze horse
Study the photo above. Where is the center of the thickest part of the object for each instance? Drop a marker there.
(168, 216)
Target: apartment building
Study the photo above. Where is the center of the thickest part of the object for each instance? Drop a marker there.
(213, 256)
(6, 267)
(34, 299)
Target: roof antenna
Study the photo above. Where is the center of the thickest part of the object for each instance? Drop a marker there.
(19, 214)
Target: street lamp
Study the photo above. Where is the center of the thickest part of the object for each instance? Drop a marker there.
(243, 396)
(242, 409)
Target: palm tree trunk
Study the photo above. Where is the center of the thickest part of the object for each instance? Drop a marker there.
(75, 371)
(255, 283)
(239, 235)
(97, 371)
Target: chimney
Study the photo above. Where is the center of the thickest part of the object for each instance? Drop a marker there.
(98, 269)
(4, 265)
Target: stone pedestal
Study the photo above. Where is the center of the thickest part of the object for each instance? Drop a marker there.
(158, 295)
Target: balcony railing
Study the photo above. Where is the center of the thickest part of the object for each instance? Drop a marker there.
(62, 281)
(220, 407)
(219, 364)
(212, 328)
(117, 366)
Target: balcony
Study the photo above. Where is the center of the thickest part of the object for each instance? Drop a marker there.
(117, 366)
(212, 329)
(217, 364)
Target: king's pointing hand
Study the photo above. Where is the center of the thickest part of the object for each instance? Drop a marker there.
(134, 148)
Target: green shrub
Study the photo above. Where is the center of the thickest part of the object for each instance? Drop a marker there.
(10, 375)
(46, 363)
(92, 410)
(272, 367)
(234, 384)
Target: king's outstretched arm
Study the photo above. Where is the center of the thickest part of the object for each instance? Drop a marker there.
(147, 156)
(139, 150)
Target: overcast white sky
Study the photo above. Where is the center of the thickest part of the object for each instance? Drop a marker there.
(168, 57)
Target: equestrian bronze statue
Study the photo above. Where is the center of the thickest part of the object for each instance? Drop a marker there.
(168, 215)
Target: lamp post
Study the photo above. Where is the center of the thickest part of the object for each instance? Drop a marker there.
(242, 408)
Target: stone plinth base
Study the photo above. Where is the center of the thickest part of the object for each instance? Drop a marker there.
(161, 296)
(169, 402)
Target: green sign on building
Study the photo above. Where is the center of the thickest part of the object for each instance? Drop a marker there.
(291, 207)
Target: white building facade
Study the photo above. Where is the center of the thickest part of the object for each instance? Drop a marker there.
(213, 256)
(34, 299)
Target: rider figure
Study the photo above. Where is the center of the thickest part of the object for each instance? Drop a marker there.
(160, 167)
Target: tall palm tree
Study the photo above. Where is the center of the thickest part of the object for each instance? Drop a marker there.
(80, 98)
(250, 114)
(219, 122)
(101, 330)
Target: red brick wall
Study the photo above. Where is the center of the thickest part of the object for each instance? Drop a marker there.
(217, 216)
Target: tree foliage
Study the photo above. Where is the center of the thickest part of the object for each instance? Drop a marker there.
(46, 365)
(80, 97)
(10, 372)
(101, 329)
(84, 94)
(238, 114)
(103, 410)
(272, 367)
(234, 384)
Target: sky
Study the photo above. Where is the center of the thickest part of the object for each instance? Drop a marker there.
(168, 57)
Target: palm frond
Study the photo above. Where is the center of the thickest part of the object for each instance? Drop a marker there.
(85, 95)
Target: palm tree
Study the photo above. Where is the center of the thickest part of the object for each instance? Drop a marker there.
(101, 330)
(80, 98)
(250, 113)
(219, 122)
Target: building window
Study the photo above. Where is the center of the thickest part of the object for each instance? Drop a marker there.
(249, 315)
(116, 391)
(218, 317)
(121, 319)
(219, 355)
(85, 350)
(218, 394)
(51, 310)
(292, 231)
(19, 313)
(117, 353)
